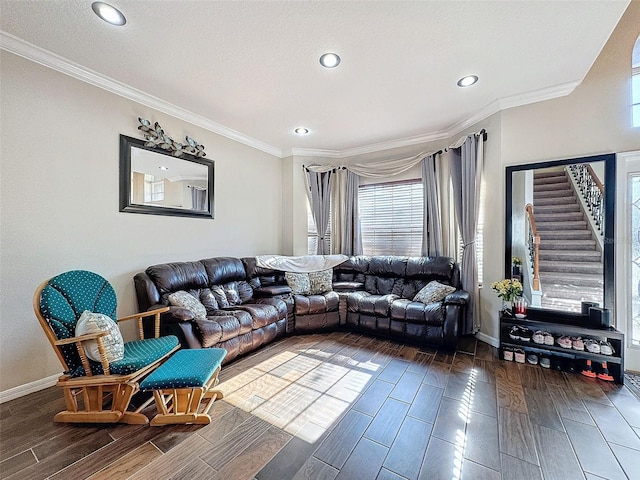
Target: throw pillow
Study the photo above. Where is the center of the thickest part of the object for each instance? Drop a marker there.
(298, 283)
(321, 282)
(90, 322)
(186, 300)
(209, 301)
(220, 295)
(231, 291)
(433, 292)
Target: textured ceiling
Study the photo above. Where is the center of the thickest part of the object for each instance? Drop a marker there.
(253, 66)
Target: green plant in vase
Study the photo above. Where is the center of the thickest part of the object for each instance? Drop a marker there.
(508, 290)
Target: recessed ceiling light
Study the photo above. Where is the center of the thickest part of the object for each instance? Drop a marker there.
(108, 13)
(467, 81)
(330, 60)
(163, 168)
(301, 131)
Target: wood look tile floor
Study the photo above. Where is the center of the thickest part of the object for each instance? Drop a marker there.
(349, 406)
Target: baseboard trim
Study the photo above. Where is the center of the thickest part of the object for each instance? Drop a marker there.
(483, 337)
(27, 388)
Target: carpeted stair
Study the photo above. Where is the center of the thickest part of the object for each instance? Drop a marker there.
(570, 260)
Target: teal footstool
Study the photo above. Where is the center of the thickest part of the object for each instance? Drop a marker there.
(182, 382)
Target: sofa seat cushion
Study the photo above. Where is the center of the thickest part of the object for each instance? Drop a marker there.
(417, 312)
(264, 311)
(364, 302)
(223, 325)
(315, 304)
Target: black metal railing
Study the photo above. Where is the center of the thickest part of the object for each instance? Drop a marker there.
(592, 190)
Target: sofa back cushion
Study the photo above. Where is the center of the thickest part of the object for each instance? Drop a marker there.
(221, 270)
(403, 276)
(352, 270)
(171, 277)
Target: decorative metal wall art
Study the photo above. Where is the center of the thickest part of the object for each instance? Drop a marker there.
(155, 137)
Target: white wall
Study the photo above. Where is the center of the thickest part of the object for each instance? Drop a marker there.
(59, 203)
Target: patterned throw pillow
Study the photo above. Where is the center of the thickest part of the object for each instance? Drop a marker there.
(433, 292)
(321, 282)
(220, 295)
(231, 291)
(209, 301)
(186, 300)
(90, 322)
(298, 283)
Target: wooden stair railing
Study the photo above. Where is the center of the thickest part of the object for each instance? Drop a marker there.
(534, 246)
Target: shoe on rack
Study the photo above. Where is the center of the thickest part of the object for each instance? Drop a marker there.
(532, 359)
(548, 338)
(507, 354)
(525, 334)
(556, 364)
(538, 337)
(518, 354)
(592, 346)
(514, 333)
(577, 343)
(604, 373)
(587, 371)
(606, 348)
(564, 341)
(545, 361)
(570, 366)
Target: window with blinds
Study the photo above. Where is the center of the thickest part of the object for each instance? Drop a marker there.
(391, 218)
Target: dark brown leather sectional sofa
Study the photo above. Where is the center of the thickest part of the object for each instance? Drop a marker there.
(370, 294)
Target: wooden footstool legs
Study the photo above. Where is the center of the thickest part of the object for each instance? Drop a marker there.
(182, 383)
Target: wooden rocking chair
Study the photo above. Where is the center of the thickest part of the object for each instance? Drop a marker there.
(96, 392)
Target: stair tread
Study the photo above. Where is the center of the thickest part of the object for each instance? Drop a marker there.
(566, 235)
(543, 209)
(567, 242)
(568, 279)
(558, 216)
(541, 201)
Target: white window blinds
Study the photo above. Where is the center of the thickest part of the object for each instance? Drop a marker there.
(391, 218)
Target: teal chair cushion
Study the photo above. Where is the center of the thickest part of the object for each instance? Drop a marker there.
(138, 354)
(62, 302)
(185, 369)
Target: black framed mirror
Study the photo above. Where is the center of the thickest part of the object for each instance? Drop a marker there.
(559, 222)
(152, 181)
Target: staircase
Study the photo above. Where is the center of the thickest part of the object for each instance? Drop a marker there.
(570, 260)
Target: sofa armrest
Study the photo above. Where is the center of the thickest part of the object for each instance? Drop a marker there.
(459, 297)
(271, 291)
(348, 286)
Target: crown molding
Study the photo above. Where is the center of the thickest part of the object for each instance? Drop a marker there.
(51, 60)
(527, 98)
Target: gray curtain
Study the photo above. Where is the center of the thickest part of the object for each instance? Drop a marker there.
(466, 171)
(431, 226)
(198, 198)
(320, 187)
(350, 242)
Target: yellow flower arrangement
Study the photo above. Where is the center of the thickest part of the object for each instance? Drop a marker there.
(508, 289)
(516, 261)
